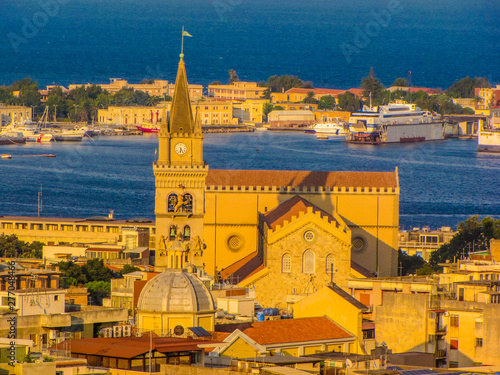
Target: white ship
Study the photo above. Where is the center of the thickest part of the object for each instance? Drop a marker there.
(333, 128)
(394, 123)
(488, 139)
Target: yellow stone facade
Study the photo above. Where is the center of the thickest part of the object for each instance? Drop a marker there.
(132, 115)
(237, 91)
(354, 216)
(215, 112)
(15, 113)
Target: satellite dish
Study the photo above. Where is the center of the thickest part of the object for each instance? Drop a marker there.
(348, 363)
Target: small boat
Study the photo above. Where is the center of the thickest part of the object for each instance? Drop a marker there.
(6, 156)
(322, 136)
(39, 138)
(488, 139)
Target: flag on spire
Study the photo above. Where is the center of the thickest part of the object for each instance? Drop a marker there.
(185, 33)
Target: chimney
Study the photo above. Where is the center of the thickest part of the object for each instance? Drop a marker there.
(111, 214)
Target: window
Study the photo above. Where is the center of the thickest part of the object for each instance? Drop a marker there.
(187, 202)
(432, 338)
(173, 232)
(454, 320)
(454, 344)
(56, 298)
(330, 265)
(172, 202)
(308, 262)
(286, 263)
(479, 342)
(187, 233)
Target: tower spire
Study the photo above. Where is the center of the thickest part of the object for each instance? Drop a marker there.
(181, 115)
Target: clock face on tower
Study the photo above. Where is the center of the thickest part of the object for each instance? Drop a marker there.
(180, 148)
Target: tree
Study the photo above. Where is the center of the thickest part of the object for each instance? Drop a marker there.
(98, 290)
(465, 87)
(472, 235)
(326, 102)
(349, 102)
(11, 246)
(400, 82)
(409, 263)
(128, 268)
(95, 270)
(233, 77)
(267, 108)
(215, 83)
(373, 87)
(310, 99)
(283, 83)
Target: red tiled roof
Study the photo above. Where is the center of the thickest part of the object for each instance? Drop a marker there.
(288, 330)
(333, 92)
(129, 347)
(291, 207)
(357, 92)
(243, 268)
(219, 177)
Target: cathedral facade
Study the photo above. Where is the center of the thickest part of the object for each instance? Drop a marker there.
(296, 229)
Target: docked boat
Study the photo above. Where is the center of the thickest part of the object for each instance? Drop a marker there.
(332, 128)
(148, 128)
(71, 135)
(394, 123)
(488, 139)
(39, 137)
(12, 138)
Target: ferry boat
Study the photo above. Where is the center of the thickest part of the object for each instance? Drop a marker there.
(488, 139)
(394, 123)
(148, 128)
(332, 128)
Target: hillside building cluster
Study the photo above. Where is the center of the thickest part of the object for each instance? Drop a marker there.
(257, 271)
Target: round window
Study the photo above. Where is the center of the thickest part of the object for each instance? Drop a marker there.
(178, 330)
(358, 244)
(235, 242)
(309, 235)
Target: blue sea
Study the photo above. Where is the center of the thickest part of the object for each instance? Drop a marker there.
(332, 43)
(442, 183)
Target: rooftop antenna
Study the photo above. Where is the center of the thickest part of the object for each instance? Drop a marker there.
(409, 86)
(40, 202)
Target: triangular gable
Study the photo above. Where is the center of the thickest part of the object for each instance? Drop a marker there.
(234, 338)
(290, 215)
(292, 207)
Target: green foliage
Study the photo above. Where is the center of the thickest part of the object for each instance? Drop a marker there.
(372, 85)
(472, 235)
(284, 82)
(93, 270)
(127, 268)
(400, 94)
(349, 102)
(468, 111)
(410, 263)
(400, 82)
(310, 99)
(11, 246)
(465, 87)
(278, 108)
(267, 94)
(326, 102)
(267, 108)
(98, 290)
(46, 358)
(426, 269)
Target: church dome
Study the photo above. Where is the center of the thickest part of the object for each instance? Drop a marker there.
(175, 290)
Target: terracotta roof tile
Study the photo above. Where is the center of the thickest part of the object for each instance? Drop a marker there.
(291, 207)
(289, 330)
(243, 268)
(219, 177)
(128, 347)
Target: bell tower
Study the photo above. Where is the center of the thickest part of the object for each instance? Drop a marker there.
(180, 174)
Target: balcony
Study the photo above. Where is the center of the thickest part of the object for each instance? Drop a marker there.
(440, 354)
